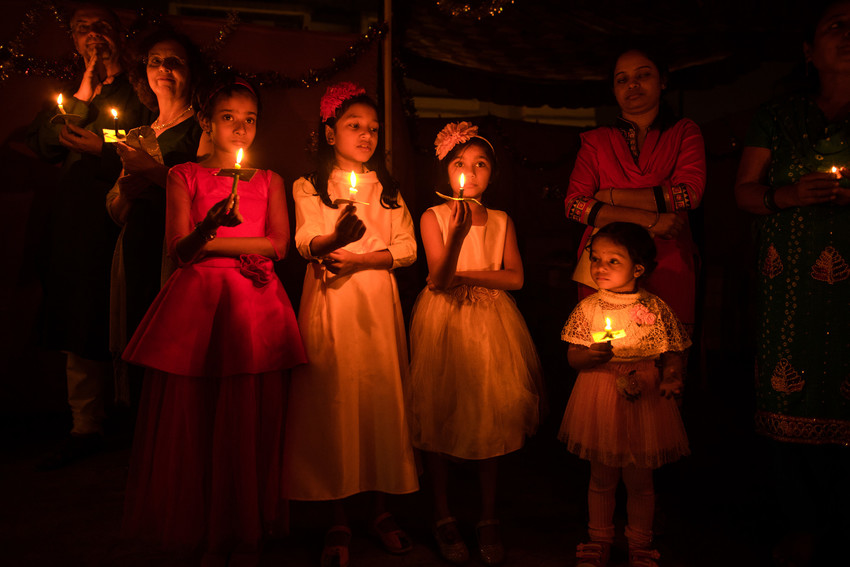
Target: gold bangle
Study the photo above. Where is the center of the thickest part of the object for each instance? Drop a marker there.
(655, 222)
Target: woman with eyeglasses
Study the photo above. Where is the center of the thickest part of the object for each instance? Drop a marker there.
(167, 71)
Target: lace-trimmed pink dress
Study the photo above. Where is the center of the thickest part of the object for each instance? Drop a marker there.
(475, 375)
(603, 422)
(206, 458)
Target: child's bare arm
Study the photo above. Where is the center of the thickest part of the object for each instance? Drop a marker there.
(581, 357)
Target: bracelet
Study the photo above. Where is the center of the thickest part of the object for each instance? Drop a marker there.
(611, 196)
(206, 236)
(655, 222)
(770, 200)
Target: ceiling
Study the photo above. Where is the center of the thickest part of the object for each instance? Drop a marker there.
(558, 52)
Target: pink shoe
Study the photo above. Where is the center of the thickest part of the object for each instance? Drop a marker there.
(593, 554)
(643, 557)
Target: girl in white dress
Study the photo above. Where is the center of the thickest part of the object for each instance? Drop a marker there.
(473, 390)
(346, 429)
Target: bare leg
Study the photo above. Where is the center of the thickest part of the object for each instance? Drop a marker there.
(438, 472)
(340, 518)
(487, 474)
(489, 537)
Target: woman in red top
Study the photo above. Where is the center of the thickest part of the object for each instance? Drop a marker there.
(648, 169)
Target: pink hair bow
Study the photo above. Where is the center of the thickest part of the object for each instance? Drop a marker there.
(452, 135)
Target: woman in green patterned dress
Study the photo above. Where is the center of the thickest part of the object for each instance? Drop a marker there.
(794, 174)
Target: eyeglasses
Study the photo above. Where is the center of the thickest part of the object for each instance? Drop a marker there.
(171, 62)
(101, 26)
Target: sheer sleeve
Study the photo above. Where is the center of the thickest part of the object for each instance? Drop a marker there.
(277, 221)
(308, 216)
(178, 213)
(687, 182)
(676, 335)
(577, 328)
(403, 244)
(579, 204)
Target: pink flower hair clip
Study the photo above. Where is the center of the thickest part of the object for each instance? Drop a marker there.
(335, 96)
(452, 135)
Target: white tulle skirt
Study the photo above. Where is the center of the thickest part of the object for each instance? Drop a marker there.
(475, 383)
(601, 424)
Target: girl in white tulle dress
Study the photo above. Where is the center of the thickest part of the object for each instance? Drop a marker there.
(473, 389)
(623, 415)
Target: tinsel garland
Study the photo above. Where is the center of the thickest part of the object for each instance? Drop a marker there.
(476, 10)
(14, 60)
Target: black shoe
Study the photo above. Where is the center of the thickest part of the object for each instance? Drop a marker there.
(73, 448)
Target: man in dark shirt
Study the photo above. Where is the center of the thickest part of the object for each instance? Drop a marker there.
(76, 298)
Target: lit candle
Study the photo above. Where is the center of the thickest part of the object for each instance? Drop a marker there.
(836, 172)
(352, 191)
(115, 118)
(237, 165)
(608, 334)
(462, 181)
(59, 102)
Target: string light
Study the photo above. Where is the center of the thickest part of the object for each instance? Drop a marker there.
(15, 61)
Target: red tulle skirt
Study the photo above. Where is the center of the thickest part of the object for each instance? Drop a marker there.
(206, 463)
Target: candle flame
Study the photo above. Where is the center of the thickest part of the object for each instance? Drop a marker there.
(462, 181)
(607, 323)
(59, 99)
(352, 192)
(239, 159)
(114, 113)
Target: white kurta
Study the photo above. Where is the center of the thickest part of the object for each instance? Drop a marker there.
(346, 430)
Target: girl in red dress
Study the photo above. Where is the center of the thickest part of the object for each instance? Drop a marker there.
(205, 468)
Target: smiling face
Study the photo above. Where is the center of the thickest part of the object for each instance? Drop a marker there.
(232, 124)
(354, 136)
(94, 34)
(637, 84)
(168, 72)
(829, 50)
(612, 268)
(476, 167)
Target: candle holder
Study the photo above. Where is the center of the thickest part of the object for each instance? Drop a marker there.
(349, 202)
(237, 173)
(242, 173)
(467, 199)
(110, 136)
(607, 335)
(63, 118)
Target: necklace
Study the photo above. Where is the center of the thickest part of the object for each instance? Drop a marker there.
(157, 126)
